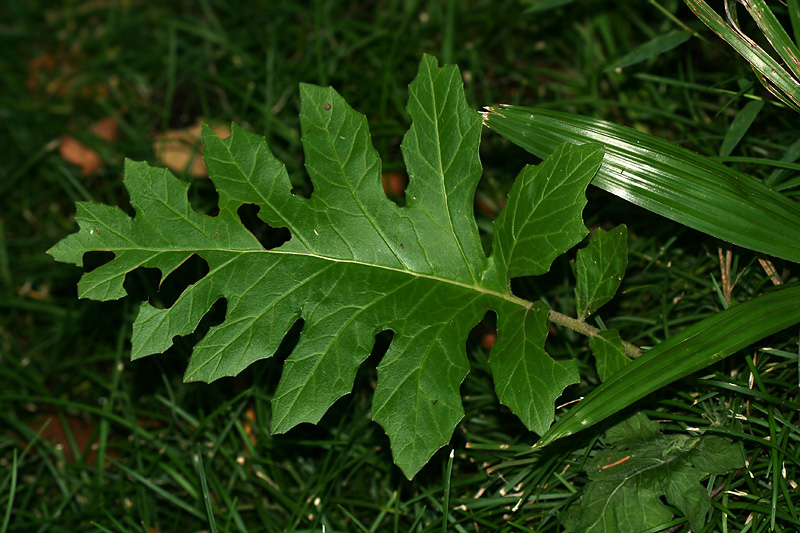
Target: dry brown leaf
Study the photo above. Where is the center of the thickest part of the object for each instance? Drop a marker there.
(180, 149)
(55, 430)
(79, 155)
(106, 128)
(40, 63)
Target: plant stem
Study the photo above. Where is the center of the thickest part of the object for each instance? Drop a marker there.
(583, 328)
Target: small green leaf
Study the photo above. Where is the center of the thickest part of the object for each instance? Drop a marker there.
(599, 269)
(547, 194)
(637, 467)
(609, 353)
(525, 377)
(656, 46)
(739, 126)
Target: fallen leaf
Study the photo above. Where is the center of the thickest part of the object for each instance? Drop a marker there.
(80, 155)
(180, 149)
(40, 63)
(488, 340)
(55, 430)
(106, 128)
(250, 421)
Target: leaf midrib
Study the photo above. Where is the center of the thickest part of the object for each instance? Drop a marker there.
(477, 288)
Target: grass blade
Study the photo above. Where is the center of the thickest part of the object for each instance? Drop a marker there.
(198, 458)
(775, 34)
(664, 178)
(11, 493)
(794, 18)
(535, 6)
(658, 45)
(740, 125)
(446, 504)
(691, 350)
(167, 495)
(771, 73)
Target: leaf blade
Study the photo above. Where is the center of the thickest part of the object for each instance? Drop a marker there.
(526, 240)
(771, 73)
(356, 263)
(599, 269)
(609, 353)
(652, 48)
(741, 123)
(526, 378)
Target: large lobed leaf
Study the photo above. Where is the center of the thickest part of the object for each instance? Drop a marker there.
(356, 264)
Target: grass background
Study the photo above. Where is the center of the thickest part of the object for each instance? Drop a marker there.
(91, 441)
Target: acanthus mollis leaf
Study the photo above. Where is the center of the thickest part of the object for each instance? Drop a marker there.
(356, 264)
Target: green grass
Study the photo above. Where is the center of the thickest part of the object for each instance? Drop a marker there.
(175, 457)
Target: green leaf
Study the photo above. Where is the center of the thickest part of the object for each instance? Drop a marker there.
(637, 467)
(533, 201)
(656, 46)
(356, 264)
(599, 269)
(609, 353)
(664, 178)
(744, 119)
(694, 348)
(526, 378)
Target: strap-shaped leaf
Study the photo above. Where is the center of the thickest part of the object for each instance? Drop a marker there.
(664, 178)
(772, 74)
(658, 45)
(356, 264)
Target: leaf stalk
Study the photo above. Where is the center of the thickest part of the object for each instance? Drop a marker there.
(579, 326)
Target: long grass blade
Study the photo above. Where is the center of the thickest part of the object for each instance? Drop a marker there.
(658, 45)
(664, 178)
(691, 350)
(11, 493)
(771, 73)
(794, 18)
(775, 34)
(744, 119)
